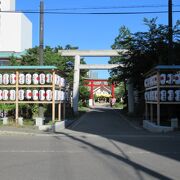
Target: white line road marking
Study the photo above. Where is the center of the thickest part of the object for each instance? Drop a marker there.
(73, 152)
(39, 151)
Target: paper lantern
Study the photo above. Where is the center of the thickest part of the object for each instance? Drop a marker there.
(177, 95)
(169, 79)
(155, 95)
(35, 95)
(35, 78)
(49, 78)
(5, 94)
(177, 79)
(1, 78)
(154, 80)
(5, 79)
(1, 95)
(59, 95)
(170, 95)
(12, 79)
(151, 81)
(163, 95)
(42, 78)
(12, 95)
(62, 82)
(28, 79)
(21, 78)
(56, 95)
(163, 79)
(28, 94)
(42, 95)
(48, 95)
(62, 95)
(21, 94)
(145, 83)
(57, 80)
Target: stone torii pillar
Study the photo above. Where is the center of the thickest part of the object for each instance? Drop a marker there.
(76, 83)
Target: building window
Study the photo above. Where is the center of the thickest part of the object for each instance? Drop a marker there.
(4, 62)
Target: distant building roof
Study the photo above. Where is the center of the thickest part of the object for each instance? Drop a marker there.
(27, 67)
(164, 67)
(9, 54)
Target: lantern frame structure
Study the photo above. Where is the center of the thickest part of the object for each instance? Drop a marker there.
(31, 70)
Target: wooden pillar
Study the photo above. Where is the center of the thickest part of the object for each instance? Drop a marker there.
(151, 112)
(146, 111)
(59, 111)
(64, 110)
(112, 90)
(17, 96)
(91, 102)
(158, 98)
(53, 96)
(91, 89)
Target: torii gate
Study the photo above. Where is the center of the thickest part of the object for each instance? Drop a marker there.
(77, 54)
(92, 84)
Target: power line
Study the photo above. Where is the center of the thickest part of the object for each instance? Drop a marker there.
(102, 8)
(92, 13)
(113, 7)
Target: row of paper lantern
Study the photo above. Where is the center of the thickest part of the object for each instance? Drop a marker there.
(35, 95)
(165, 95)
(31, 79)
(164, 79)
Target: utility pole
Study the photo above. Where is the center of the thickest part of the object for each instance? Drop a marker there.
(170, 34)
(41, 48)
(41, 33)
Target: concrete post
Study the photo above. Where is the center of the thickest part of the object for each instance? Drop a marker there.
(76, 83)
(130, 97)
(91, 94)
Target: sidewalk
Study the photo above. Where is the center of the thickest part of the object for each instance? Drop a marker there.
(31, 130)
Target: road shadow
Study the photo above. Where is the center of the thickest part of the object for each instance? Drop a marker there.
(167, 145)
(124, 131)
(137, 167)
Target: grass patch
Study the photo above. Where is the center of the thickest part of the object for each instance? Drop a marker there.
(118, 105)
(28, 122)
(83, 109)
(12, 123)
(50, 122)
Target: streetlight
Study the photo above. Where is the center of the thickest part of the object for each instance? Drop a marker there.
(41, 47)
(41, 33)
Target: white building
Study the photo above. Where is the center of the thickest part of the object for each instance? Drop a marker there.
(15, 29)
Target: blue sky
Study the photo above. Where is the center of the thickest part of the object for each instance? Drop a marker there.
(91, 31)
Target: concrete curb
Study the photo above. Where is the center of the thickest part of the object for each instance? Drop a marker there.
(155, 128)
(44, 129)
(16, 133)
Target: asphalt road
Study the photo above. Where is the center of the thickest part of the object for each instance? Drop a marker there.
(101, 146)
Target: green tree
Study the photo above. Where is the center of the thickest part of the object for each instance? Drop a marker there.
(83, 95)
(144, 50)
(14, 62)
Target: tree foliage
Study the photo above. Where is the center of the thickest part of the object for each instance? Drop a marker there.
(51, 57)
(144, 50)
